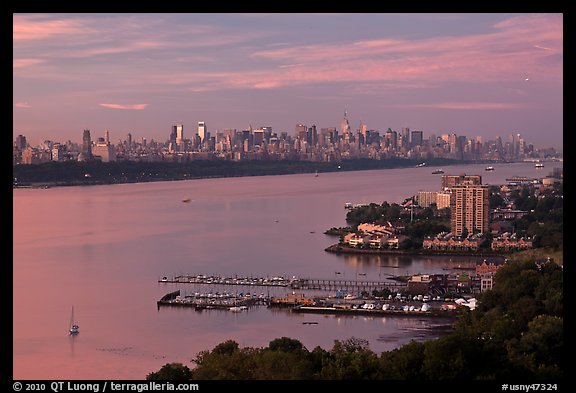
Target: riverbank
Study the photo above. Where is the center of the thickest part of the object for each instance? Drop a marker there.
(73, 173)
(340, 249)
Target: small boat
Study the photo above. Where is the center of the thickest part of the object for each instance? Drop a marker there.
(437, 172)
(538, 165)
(489, 168)
(316, 174)
(348, 205)
(74, 328)
(186, 200)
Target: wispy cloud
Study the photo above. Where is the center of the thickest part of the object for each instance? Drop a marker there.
(135, 107)
(29, 27)
(22, 63)
(504, 53)
(23, 104)
(466, 105)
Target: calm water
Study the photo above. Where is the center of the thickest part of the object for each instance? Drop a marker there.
(102, 250)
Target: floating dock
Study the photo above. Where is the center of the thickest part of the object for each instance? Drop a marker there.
(201, 301)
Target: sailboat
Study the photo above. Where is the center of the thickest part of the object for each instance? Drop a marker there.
(74, 329)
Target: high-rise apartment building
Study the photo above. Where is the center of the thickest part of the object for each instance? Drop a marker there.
(449, 181)
(469, 209)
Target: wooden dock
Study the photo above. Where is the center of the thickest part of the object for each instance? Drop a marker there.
(321, 284)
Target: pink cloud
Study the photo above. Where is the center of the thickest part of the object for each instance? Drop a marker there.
(27, 27)
(21, 63)
(135, 107)
(22, 105)
(506, 53)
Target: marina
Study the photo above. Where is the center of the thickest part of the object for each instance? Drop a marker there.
(201, 301)
(299, 303)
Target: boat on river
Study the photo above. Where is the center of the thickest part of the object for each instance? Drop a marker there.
(74, 328)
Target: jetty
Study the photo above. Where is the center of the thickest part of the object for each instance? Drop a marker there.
(277, 281)
(319, 284)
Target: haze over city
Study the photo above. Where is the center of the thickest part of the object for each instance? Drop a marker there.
(483, 75)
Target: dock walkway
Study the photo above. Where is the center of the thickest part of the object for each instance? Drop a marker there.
(319, 284)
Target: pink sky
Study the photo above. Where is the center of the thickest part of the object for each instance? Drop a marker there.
(472, 74)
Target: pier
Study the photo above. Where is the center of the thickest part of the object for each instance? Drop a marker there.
(319, 284)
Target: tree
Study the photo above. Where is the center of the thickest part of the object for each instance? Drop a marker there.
(171, 372)
(285, 344)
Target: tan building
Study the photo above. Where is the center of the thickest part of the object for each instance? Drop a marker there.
(440, 198)
(469, 208)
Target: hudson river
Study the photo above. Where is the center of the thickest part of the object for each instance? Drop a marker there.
(102, 250)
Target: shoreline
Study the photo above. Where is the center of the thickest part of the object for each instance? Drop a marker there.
(66, 174)
(338, 249)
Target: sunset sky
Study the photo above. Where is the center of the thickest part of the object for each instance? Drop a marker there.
(473, 74)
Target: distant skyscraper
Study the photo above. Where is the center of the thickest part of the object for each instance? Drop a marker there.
(20, 142)
(104, 150)
(87, 145)
(469, 209)
(312, 136)
(258, 137)
(405, 137)
(202, 131)
(417, 137)
(179, 128)
(301, 131)
(345, 127)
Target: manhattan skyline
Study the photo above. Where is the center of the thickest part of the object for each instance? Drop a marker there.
(483, 75)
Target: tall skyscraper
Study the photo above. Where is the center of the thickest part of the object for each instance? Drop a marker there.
(469, 209)
(301, 131)
(20, 142)
(405, 137)
(345, 127)
(417, 137)
(179, 129)
(202, 131)
(87, 145)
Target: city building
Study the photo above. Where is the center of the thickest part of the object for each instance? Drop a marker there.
(202, 131)
(440, 198)
(104, 150)
(469, 209)
(178, 130)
